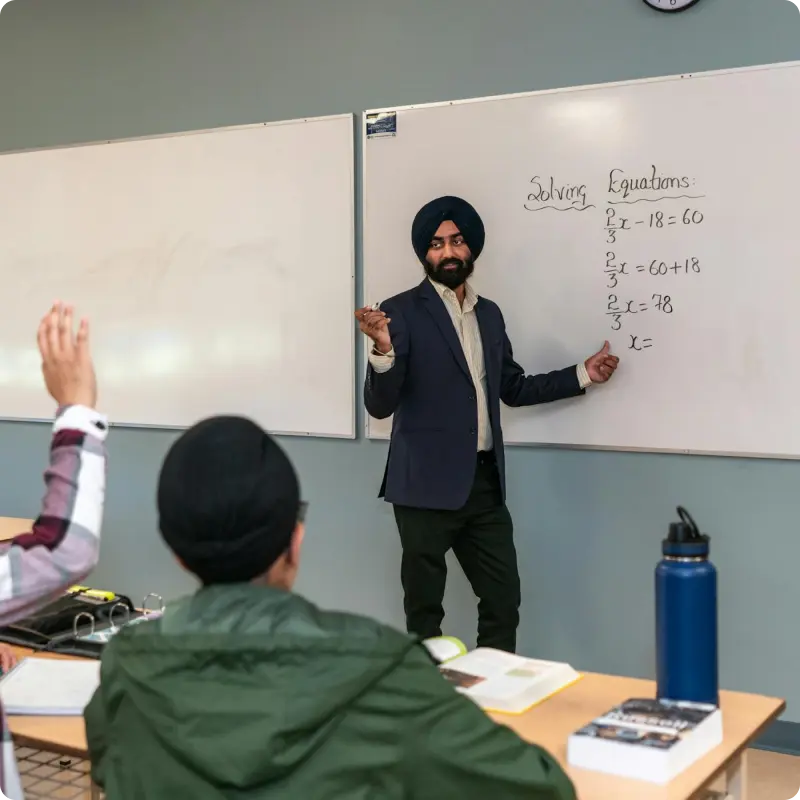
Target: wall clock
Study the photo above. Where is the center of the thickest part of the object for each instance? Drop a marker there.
(671, 5)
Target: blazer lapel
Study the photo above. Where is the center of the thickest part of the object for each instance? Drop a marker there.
(487, 340)
(435, 306)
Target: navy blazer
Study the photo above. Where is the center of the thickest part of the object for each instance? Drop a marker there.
(433, 449)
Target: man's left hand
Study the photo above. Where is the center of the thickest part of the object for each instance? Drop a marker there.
(601, 366)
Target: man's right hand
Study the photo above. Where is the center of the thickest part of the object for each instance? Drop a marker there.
(375, 324)
(66, 361)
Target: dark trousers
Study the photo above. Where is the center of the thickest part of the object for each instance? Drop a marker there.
(481, 535)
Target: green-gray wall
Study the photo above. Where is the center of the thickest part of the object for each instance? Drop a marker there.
(588, 524)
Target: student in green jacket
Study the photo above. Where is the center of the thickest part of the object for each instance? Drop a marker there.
(246, 690)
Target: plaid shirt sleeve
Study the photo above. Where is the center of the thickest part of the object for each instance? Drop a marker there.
(63, 547)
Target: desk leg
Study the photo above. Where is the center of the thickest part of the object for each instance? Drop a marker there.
(737, 778)
(732, 783)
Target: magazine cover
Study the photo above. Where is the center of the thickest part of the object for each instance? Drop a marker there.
(658, 724)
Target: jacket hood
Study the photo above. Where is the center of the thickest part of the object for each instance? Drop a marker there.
(241, 684)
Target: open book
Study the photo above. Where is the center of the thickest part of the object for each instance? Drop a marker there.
(497, 681)
(647, 739)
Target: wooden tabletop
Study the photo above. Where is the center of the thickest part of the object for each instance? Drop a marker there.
(58, 734)
(744, 718)
(12, 526)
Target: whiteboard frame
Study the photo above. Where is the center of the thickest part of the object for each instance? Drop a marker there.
(225, 129)
(561, 90)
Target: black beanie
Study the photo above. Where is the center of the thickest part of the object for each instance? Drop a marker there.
(228, 500)
(459, 212)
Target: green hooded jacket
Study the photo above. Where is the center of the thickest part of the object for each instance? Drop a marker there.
(249, 693)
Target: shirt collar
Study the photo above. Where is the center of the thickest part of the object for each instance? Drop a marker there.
(470, 296)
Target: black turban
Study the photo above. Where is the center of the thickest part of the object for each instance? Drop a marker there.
(457, 211)
(228, 500)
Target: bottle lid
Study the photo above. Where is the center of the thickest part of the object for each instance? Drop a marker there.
(684, 540)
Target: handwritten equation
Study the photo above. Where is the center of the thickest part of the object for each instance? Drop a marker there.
(615, 270)
(651, 203)
(616, 224)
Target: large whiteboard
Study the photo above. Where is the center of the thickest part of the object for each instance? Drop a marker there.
(216, 267)
(712, 369)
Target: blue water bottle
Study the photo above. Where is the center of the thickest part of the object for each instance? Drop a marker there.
(686, 616)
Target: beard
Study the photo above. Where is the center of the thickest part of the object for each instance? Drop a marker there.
(451, 278)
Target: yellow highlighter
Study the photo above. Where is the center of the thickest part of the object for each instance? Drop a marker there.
(95, 594)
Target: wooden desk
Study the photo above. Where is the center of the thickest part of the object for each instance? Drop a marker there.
(65, 735)
(744, 718)
(12, 526)
(60, 735)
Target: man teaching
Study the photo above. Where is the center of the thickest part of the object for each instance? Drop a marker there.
(441, 363)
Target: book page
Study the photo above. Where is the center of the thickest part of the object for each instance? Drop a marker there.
(444, 648)
(485, 663)
(50, 684)
(501, 675)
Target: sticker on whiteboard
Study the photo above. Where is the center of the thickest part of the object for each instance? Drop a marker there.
(382, 124)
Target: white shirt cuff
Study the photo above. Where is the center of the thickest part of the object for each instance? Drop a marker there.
(82, 418)
(583, 377)
(381, 363)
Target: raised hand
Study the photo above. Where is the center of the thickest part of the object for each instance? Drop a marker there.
(601, 366)
(66, 360)
(375, 324)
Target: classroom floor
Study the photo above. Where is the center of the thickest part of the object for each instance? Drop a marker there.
(772, 776)
(49, 776)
